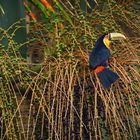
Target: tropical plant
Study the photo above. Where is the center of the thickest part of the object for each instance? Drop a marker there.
(1, 10)
(64, 99)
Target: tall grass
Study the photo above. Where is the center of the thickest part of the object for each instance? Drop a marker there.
(63, 99)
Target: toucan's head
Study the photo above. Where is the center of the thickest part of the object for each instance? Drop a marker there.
(112, 37)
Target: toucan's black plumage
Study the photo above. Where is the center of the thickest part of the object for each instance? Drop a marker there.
(98, 62)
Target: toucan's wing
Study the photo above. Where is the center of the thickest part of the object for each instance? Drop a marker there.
(98, 57)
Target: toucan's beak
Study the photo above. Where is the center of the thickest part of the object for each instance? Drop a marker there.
(116, 36)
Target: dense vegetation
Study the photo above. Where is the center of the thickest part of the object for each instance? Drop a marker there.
(60, 98)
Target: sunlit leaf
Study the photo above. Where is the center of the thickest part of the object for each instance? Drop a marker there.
(31, 14)
(1, 10)
(41, 6)
(64, 12)
(47, 5)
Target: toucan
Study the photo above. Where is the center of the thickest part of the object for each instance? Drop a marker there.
(98, 59)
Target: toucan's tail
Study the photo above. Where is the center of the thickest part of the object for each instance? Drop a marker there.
(107, 77)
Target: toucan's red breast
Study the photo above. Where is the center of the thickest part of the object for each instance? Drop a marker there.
(99, 69)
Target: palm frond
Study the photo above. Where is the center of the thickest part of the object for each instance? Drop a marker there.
(1, 10)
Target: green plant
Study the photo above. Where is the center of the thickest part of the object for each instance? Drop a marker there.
(64, 99)
(1, 11)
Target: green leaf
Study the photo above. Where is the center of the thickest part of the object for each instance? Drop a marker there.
(1, 10)
(41, 6)
(64, 12)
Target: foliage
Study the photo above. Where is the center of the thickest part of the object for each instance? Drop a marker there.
(63, 99)
(1, 10)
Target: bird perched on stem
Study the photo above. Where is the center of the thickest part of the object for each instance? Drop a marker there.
(98, 60)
